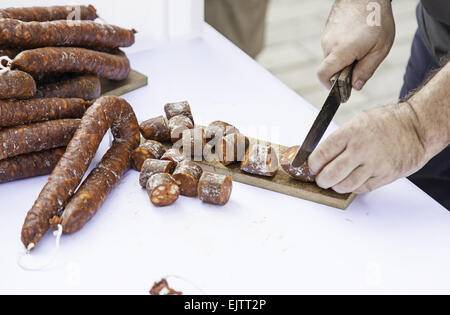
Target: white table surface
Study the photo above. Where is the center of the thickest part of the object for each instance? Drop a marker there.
(394, 240)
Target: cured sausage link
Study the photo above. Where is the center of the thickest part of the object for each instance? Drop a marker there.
(53, 13)
(107, 112)
(16, 84)
(29, 165)
(36, 137)
(87, 34)
(87, 87)
(14, 113)
(43, 61)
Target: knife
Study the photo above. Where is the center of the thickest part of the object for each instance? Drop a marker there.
(340, 93)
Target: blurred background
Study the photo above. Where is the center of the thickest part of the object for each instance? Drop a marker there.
(292, 52)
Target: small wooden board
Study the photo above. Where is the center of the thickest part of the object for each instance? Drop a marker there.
(281, 183)
(134, 81)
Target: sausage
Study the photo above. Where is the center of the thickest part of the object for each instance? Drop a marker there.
(29, 165)
(180, 108)
(14, 113)
(148, 150)
(177, 125)
(302, 173)
(87, 87)
(215, 189)
(87, 34)
(188, 174)
(194, 141)
(16, 85)
(36, 137)
(260, 160)
(42, 14)
(11, 53)
(174, 156)
(162, 288)
(107, 112)
(43, 62)
(232, 148)
(218, 129)
(152, 167)
(163, 189)
(156, 129)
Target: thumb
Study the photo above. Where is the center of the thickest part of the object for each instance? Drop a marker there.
(365, 68)
(332, 64)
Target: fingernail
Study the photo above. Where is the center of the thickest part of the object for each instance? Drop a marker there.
(359, 84)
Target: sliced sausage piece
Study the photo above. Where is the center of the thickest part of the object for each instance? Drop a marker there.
(152, 167)
(42, 62)
(156, 129)
(302, 173)
(36, 137)
(16, 85)
(148, 150)
(87, 34)
(180, 108)
(188, 174)
(29, 165)
(173, 155)
(260, 160)
(217, 130)
(107, 112)
(163, 189)
(194, 142)
(53, 13)
(177, 125)
(215, 189)
(87, 87)
(232, 148)
(14, 113)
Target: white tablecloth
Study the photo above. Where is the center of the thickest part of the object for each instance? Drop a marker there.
(394, 240)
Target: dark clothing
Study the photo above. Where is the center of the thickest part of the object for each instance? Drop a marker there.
(434, 178)
(434, 25)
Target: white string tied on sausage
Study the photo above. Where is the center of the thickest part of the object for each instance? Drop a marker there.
(4, 69)
(43, 266)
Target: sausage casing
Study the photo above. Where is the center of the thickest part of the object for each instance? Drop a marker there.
(215, 189)
(152, 167)
(87, 87)
(156, 129)
(188, 174)
(232, 148)
(301, 173)
(107, 112)
(86, 34)
(36, 137)
(52, 60)
(16, 85)
(180, 108)
(218, 129)
(14, 113)
(53, 13)
(148, 150)
(194, 141)
(173, 155)
(260, 160)
(29, 165)
(178, 125)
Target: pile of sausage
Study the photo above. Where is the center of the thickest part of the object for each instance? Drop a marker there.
(52, 59)
(219, 142)
(167, 174)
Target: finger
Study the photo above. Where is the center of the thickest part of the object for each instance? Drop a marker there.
(354, 181)
(337, 170)
(365, 68)
(332, 64)
(327, 151)
(370, 185)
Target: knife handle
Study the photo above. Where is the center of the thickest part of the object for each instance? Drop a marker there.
(344, 83)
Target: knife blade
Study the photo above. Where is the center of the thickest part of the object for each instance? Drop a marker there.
(340, 93)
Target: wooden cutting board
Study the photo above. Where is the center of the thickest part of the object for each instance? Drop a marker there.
(134, 81)
(281, 183)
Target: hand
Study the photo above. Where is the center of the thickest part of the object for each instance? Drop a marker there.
(348, 37)
(374, 149)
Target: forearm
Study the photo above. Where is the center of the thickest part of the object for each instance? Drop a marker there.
(430, 108)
